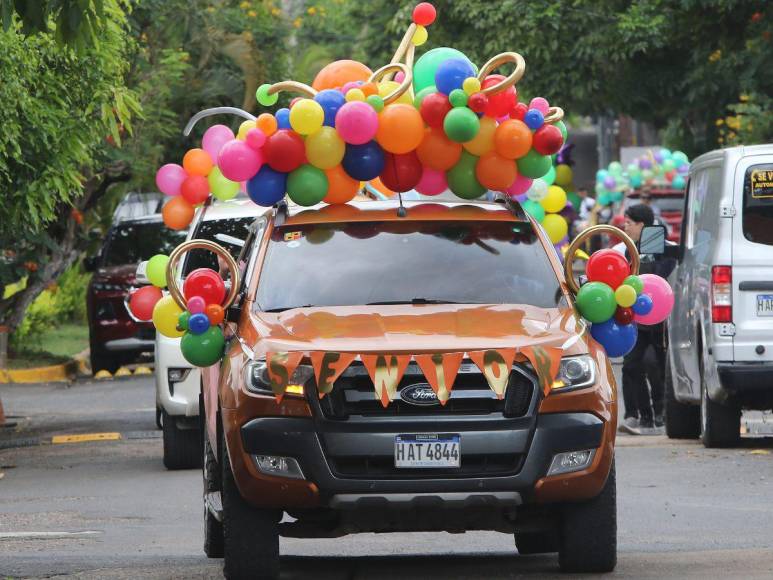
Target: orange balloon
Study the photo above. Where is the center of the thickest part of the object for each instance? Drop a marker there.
(340, 187)
(215, 313)
(512, 139)
(340, 72)
(379, 185)
(483, 142)
(177, 213)
(266, 122)
(369, 89)
(437, 151)
(400, 128)
(197, 162)
(495, 172)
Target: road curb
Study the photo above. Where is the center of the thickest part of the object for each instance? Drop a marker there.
(64, 372)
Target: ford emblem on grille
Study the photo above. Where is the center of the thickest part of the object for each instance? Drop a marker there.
(421, 395)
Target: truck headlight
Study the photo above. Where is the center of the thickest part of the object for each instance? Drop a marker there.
(575, 372)
(257, 380)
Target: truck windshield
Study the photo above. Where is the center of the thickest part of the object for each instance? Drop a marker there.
(758, 204)
(133, 242)
(406, 262)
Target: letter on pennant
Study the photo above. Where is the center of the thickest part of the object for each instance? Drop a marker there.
(495, 366)
(281, 366)
(328, 366)
(440, 370)
(546, 361)
(385, 371)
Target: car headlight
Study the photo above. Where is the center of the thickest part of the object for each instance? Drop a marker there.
(575, 372)
(257, 380)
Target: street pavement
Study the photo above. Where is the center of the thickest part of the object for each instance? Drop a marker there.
(108, 509)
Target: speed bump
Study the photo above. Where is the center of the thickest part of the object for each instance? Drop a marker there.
(84, 437)
(143, 371)
(123, 372)
(103, 375)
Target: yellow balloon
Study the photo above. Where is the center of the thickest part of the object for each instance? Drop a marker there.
(555, 227)
(306, 117)
(165, 316)
(244, 127)
(386, 87)
(354, 95)
(555, 200)
(625, 295)
(325, 149)
(420, 36)
(563, 175)
(484, 140)
(471, 85)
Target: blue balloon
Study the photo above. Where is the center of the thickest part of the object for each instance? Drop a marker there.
(678, 182)
(534, 119)
(636, 181)
(198, 323)
(267, 186)
(643, 305)
(330, 100)
(617, 339)
(601, 174)
(283, 118)
(450, 74)
(363, 162)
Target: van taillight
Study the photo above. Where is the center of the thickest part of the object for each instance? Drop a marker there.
(721, 294)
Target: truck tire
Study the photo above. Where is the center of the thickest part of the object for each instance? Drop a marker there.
(589, 532)
(213, 528)
(720, 424)
(536, 543)
(182, 447)
(251, 535)
(683, 421)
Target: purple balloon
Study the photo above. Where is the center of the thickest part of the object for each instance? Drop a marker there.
(658, 157)
(610, 183)
(645, 163)
(683, 169)
(214, 139)
(170, 177)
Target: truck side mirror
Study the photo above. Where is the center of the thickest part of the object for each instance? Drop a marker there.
(141, 274)
(652, 240)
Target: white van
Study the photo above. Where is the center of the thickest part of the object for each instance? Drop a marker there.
(721, 329)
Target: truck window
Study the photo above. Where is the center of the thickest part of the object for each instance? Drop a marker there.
(234, 227)
(758, 204)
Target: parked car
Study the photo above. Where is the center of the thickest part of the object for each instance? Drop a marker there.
(115, 336)
(721, 330)
(177, 383)
(448, 281)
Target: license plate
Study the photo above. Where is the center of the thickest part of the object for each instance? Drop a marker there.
(764, 304)
(428, 450)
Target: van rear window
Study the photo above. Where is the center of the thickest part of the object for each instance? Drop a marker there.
(758, 204)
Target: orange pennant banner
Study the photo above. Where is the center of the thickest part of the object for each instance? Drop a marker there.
(281, 366)
(440, 370)
(546, 361)
(328, 366)
(386, 371)
(495, 366)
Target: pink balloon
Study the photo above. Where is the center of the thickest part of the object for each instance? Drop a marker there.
(519, 186)
(256, 138)
(238, 161)
(214, 139)
(170, 177)
(662, 296)
(196, 304)
(432, 182)
(356, 122)
(400, 77)
(541, 104)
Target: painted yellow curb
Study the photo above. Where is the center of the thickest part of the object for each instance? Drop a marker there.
(51, 374)
(85, 437)
(122, 372)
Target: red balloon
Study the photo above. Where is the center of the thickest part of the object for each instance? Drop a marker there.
(401, 172)
(434, 108)
(499, 104)
(624, 315)
(477, 102)
(608, 266)
(195, 189)
(205, 283)
(547, 140)
(424, 14)
(142, 301)
(284, 151)
(519, 111)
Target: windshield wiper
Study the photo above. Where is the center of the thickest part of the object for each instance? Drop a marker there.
(412, 301)
(283, 308)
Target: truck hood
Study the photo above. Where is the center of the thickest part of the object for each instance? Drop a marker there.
(416, 329)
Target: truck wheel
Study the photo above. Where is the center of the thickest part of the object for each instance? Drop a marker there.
(536, 543)
(589, 532)
(182, 447)
(251, 535)
(682, 421)
(720, 424)
(213, 528)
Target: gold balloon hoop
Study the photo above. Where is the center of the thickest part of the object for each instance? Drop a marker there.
(292, 87)
(592, 231)
(179, 251)
(555, 114)
(497, 61)
(391, 68)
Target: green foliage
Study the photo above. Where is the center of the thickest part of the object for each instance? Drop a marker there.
(750, 121)
(75, 22)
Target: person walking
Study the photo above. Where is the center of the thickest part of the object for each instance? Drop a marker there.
(643, 405)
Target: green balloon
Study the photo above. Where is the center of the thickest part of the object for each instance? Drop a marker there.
(205, 349)
(574, 199)
(221, 187)
(669, 165)
(307, 185)
(156, 270)
(550, 176)
(423, 93)
(596, 302)
(635, 283)
(182, 320)
(376, 102)
(461, 177)
(534, 209)
(604, 198)
(425, 68)
(532, 165)
(461, 124)
(263, 98)
(615, 168)
(562, 128)
(458, 98)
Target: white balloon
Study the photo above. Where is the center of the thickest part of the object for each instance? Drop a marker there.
(538, 190)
